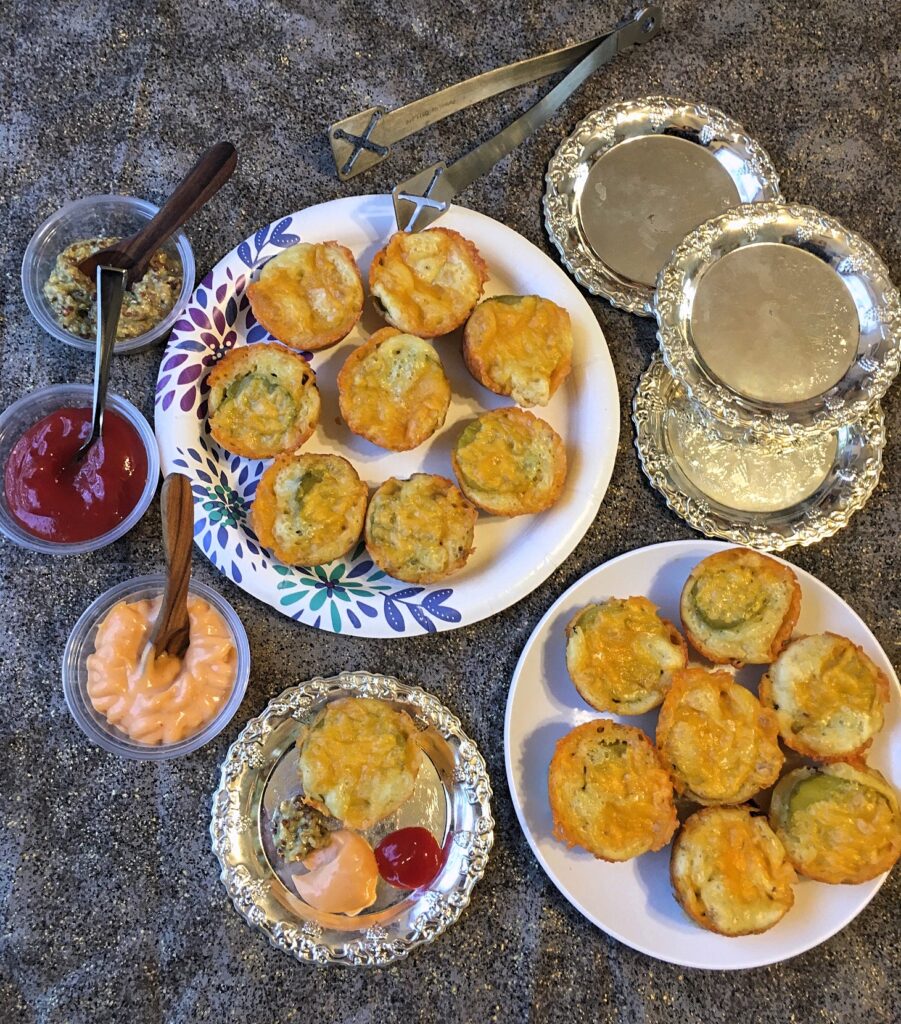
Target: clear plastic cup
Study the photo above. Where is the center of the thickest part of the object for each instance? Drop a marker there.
(81, 644)
(98, 217)
(24, 413)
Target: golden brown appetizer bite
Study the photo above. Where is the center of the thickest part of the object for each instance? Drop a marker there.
(730, 873)
(263, 401)
(719, 744)
(419, 530)
(828, 697)
(393, 390)
(621, 655)
(609, 793)
(519, 345)
(510, 463)
(427, 282)
(309, 296)
(309, 509)
(839, 823)
(739, 607)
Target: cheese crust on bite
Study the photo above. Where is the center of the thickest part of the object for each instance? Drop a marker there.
(739, 607)
(309, 296)
(730, 873)
(720, 745)
(519, 345)
(263, 401)
(510, 463)
(358, 760)
(419, 530)
(621, 655)
(309, 509)
(427, 282)
(609, 793)
(839, 823)
(393, 390)
(828, 697)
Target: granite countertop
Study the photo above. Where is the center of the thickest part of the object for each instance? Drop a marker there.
(110, 896)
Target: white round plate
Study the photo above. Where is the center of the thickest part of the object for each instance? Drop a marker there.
(351, 595)
(633, 901)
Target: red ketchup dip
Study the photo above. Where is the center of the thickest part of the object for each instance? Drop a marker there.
(409, 858)
(57, 500)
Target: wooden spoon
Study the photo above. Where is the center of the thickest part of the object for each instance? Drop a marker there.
(198, 186)
(171, 632)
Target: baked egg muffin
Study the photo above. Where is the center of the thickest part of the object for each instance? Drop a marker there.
(838, 822)
(739, 607)
(393, 390)
(419, 530)
(519, 345)
(621, 655)
(263, 401)
(427, 282)
(308, 296)
(510, 463)
(358, 760)
(309, 509)
(730, 873)
(609, 793)
(719, 744)
(828, 697)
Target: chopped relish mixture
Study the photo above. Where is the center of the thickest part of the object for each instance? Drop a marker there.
(72, 295)
(298, 830)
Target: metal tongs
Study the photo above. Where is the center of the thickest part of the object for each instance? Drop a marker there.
(365, 139)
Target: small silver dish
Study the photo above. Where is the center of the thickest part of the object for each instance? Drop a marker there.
(744, 489)
(779, 320)
(634, 178)
(452, 799)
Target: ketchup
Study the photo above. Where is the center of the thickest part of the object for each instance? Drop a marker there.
(409, 858)
(58, 500)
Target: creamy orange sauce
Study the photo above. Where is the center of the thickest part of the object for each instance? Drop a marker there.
(342, 877)
(165, 699)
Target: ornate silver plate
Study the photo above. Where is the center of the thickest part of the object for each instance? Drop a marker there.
(727, 484)
(634, 178)
(780, 320)
(451, 799)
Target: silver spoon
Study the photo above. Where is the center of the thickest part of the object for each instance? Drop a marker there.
(110, 290)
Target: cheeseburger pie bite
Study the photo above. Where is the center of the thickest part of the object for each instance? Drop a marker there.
(730, 873)
(609, 792)
(393, 390)
(419, 530)
(263, 401)
(827, 695)
(621, 655)
(739, 607)
(510, 463)
(519, 345)
(839, 823)
(309, 509)
(427, 282)
(719, 744)
(309, 296)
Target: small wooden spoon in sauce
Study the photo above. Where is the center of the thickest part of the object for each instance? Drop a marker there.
(171, 632)
(198, 186)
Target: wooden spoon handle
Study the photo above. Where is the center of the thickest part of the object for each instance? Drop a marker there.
(172, 630)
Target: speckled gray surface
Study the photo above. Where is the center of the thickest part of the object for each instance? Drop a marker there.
(111, 905)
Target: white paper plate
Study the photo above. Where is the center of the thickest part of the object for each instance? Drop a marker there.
(633, 901)
(512, 556)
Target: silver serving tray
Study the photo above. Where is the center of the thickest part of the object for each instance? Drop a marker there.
(875, 343)
(452, 799)
(819, 483)
(634, 178)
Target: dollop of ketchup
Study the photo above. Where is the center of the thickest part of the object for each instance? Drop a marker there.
(409, 858)
(58, 500)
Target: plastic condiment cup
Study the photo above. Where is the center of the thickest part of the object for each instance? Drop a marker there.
(80, 646)
(98, 217)
(27, 411)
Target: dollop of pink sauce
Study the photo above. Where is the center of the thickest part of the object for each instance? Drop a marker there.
(164, 699)
(341, 878)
